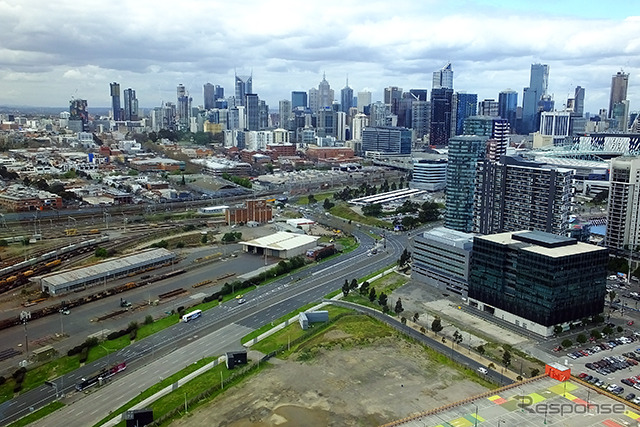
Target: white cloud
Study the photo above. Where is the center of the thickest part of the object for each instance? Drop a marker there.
(153, 46)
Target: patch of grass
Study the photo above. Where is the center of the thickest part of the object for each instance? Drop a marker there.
(304, 200)
(375, 273)
(6, 391)
(332, 294)
(389, 283)
(107, 347)
(160, 324)
(269, 326)
(343, 211)
(157, 387)
(40, 413)
(37, 376)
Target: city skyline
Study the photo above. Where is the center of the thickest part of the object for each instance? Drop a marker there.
(51, 55)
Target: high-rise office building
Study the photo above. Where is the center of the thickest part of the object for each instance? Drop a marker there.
(488, 107)
(130, 105)
(115, 100)
(243, 85)
(346, 98)
(508, 105)
(578, 106)
(392, 96)
(538, 85)
(537, 280)
(359, 122)
(443, 78)
(209, 92)
(419, 94)
(364, 101)
(284, 108)
(420, 118)
(514, 194)
(464, 154)
(325, 94)
(326, 122)
(623, 215)
(252, 106)
(466, 106)
(78, 115)
(619, 85)
(298, 99)
(387, 139)
(441, 116)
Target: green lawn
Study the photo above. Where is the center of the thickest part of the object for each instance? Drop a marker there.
(304, 200)
(343, 210)
(268, 326)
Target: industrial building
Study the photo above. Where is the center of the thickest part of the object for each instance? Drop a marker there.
(281, 245)
(537, 280)
(84, 277)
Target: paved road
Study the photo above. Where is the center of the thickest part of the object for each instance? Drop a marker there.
(263, 305)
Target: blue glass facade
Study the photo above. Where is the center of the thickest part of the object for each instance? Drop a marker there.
(387, 139)
(467, 106)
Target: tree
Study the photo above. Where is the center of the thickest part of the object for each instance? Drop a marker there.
(436, 325)
(203, 239)
(399, 309)
(354, 284)
(101, 253)
(506, 358)
(566, 343)
(535, 372)
(582, 338)
(557, 329)
(491, 366)
(327, 204)
(364, 288)
(619, 329)
(480, 349)
(612, 296)
(403, 320)
(382, 299)
(423, 330)
(416, 317)
(372, 294)
(372, 210)
(596, 334)
(346, 288)
(312, 199)
(607, 330)
(457, 337)
(405, 257)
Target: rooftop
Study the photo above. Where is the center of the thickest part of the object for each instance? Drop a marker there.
(541, 243)
(282, 241)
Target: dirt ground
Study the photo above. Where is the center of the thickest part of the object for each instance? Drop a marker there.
(349, 386)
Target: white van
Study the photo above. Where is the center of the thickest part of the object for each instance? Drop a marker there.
(483, 370)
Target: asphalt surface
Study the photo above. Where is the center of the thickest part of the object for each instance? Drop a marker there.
(263, 305)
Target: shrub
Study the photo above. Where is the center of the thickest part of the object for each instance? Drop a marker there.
(133, 334)
(148, 320)
(91, 342)
(19, 374)
(84, 354)
(17, 387)
(2, 380)
(180, 245)
(133, 326)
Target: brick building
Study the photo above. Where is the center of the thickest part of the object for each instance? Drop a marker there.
(254, 210)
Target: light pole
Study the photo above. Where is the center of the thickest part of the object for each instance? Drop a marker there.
(108, 355)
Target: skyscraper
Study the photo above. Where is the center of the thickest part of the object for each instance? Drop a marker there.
(538, 85)
(325, 94)
(130, 105)
(508, 105)
(209, 96)
(252, 105)
(619, 85)
(578, 105)
(623, 215)
(441, 116)
(285, 112)
(392, 96)
(244, 85)
(464, 154)
(515, 194)
(298, 99)
(466, 106)
(115, 100)
(488, 107)
(420, 118)
(183, 112)
(443, 78)
(364, 100)
(346, 98)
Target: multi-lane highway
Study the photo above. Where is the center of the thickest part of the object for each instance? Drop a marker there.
(262, 306)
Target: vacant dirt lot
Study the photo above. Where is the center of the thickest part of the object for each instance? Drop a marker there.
(344, 385)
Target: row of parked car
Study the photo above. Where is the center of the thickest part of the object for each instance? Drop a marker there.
(611, 388)
(608, 365)
(602, 346)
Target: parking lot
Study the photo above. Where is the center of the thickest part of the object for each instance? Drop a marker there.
(607, 363)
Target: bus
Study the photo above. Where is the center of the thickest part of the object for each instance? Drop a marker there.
(190, 316)
(100, 375)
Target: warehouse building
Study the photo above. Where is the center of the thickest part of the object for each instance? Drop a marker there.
(98, 274)
(281, 245)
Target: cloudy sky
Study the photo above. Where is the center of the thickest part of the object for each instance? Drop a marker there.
(53, 50)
